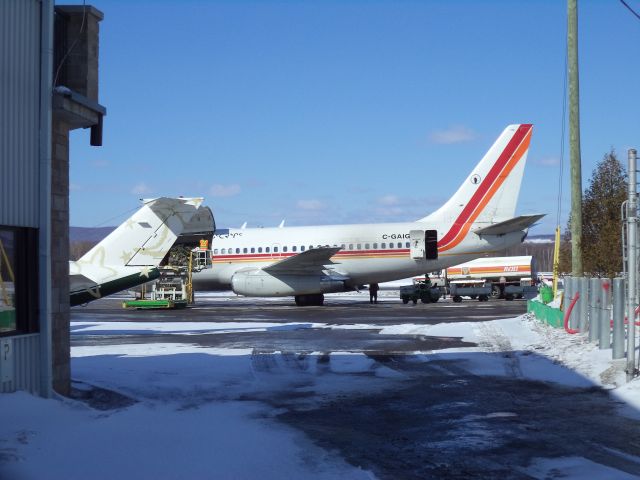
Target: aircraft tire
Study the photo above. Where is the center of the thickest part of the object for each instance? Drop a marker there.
(457, 299)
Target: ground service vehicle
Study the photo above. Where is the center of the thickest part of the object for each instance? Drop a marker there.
(420, 290)
(470, 288)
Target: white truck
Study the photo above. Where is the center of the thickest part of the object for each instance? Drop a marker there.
(508, 277)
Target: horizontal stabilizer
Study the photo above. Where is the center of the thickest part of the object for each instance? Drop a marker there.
(512, 225)
(306, 262)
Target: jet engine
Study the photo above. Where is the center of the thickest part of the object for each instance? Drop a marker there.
(258, 283)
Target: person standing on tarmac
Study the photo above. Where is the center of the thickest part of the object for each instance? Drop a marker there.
(373, 292)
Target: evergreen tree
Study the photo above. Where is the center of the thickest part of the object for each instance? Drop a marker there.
(601, 222)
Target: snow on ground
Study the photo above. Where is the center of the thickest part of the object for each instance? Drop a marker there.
(194, 328)
(569, 354)
(189, 423)
(52, 439)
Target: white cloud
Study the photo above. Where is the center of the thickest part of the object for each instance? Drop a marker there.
(218, 190)
(310, 205)
(389, 200)
(547, 161)
(454, 134)
(141, 189)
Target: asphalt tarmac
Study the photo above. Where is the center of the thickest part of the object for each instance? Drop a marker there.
(338, 310)
(435, 419)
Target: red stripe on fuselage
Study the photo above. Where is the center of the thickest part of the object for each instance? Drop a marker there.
(269, 256)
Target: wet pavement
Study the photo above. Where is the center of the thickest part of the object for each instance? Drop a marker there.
(432, 416)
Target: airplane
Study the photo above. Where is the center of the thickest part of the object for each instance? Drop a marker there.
(129, 256)
(307, 262)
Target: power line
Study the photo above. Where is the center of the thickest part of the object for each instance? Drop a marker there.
(630, 9)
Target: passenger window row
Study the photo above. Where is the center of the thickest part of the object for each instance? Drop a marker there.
(302, 248)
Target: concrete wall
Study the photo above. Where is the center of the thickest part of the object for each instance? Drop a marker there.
(78, 72)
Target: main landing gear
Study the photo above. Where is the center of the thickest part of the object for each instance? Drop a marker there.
(309, 300)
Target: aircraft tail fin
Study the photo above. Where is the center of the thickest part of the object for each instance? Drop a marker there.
(145, 238)
(490, 193)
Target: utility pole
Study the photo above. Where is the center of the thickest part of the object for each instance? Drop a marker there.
(574, 139)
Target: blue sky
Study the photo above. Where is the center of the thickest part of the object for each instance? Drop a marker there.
(344, 112)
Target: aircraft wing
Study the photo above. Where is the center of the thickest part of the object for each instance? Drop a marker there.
(311, 261)
(511, 225)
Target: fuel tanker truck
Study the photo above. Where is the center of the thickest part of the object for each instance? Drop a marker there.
(500, 277)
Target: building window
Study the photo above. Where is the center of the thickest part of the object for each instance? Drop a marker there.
(18, 280)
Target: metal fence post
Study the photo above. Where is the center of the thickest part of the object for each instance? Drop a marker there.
(605, 314)
(574, 321)
(583, 287)
(618, 318)
(568, 294)
(632, 264)
(594, 324)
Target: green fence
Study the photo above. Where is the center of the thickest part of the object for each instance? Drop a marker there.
(549, 315)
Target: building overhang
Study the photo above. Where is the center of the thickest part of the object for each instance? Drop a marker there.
(78, 111)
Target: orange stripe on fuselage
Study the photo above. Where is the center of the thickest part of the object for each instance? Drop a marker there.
(395, 253)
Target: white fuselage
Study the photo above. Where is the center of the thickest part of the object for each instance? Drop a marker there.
(370, 253)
